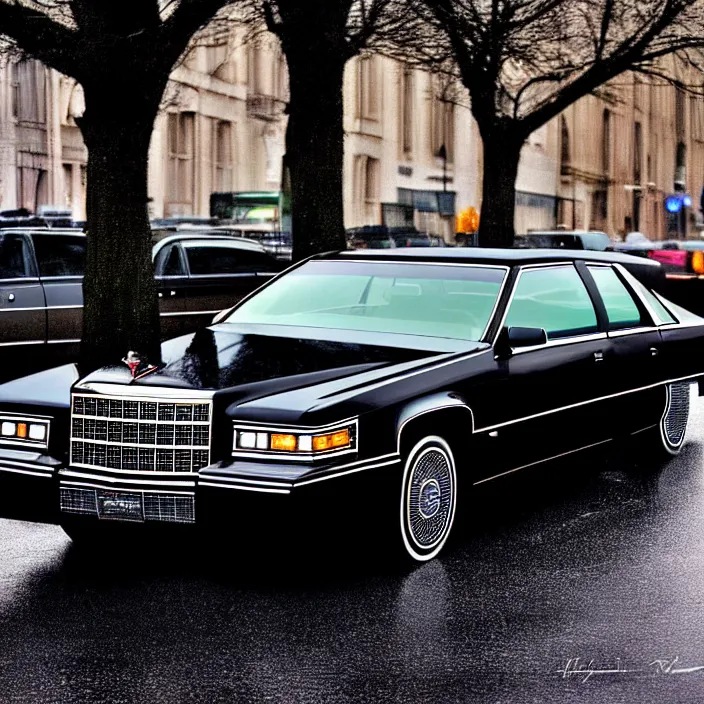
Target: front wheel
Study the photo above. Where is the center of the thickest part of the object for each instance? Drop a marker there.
(428, 498)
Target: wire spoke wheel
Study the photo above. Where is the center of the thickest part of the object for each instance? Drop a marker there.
(428, 498)
(673, 425)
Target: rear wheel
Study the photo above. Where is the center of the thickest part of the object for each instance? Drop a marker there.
(428, 498)
(659, 444)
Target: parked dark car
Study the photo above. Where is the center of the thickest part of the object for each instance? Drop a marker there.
(572, 239)
(41, 288)
(380, 387)
(683, 264)
(383, 237)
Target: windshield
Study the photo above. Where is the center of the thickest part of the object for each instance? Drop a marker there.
(447, 301)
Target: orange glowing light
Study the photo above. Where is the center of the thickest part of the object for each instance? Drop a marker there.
(21, 430)
(698, 262)
(329, 442)
(285, 443)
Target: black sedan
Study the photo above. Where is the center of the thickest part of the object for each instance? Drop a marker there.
(380, 385)
(41, 288)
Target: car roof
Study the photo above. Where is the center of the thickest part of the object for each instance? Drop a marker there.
(211, 240)
(565, 232)
(44, 231)
(478, 255)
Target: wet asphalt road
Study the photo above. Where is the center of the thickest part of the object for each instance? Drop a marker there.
(578, 583)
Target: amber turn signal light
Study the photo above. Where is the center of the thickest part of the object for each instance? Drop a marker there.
(285, 443)
(21, 430)
(332, 440)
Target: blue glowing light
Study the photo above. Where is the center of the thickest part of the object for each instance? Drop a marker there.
(673, 204)
(687, 200)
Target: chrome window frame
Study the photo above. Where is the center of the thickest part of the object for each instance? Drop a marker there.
(574, 339)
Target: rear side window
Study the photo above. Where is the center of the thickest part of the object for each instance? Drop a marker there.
(14, 257)
(60, 255)
(208, 261)
(213, 261)
(554, 299)
(621, 309)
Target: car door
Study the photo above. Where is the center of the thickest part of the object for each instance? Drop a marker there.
(632, 358)
(22, 302)
(61, 260)
(220, 275)
(546, 404)
(171, 284)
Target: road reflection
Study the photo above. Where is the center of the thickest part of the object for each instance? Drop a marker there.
(580, 560)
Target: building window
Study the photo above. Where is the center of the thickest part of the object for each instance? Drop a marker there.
(367, 88)
(254, 69)
(219, 61)
(222, 155)
(606, 143)
(371, 180)
(367, 188)
(280, 78)
(696, 118)
(565, 159)
(679, 113)
(443, 128)
(29, 91)
(180, 172)
(637, 152)
(406, 103)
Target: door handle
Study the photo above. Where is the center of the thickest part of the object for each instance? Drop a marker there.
(598, 356)
(11, 297)
(654, 352)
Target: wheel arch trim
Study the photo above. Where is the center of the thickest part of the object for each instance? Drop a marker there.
(425, 405)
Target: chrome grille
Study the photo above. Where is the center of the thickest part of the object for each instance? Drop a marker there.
(677, 414)
(171, 508)
(78, 501)
(139, 435)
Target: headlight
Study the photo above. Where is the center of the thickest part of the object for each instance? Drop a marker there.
(28, 432)
(313, 443)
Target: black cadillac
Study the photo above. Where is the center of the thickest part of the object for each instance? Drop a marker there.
(382, 383)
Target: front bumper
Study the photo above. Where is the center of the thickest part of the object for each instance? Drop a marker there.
(219, 493)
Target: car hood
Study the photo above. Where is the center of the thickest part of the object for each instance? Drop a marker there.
(225, 357)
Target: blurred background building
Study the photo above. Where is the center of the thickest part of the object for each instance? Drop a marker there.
(412, 150)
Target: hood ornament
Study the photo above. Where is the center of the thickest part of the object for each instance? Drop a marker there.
(139, 366)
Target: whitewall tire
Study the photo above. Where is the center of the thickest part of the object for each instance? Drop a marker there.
(673, 424)
(428, 498)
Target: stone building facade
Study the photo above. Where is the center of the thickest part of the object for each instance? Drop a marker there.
(412, 149)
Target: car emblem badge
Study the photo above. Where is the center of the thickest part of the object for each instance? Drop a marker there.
(138, 365)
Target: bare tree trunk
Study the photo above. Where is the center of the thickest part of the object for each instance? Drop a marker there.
(120, 305)
(502, 153)
(314, 149)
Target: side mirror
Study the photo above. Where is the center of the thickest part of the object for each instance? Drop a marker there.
(514, 338)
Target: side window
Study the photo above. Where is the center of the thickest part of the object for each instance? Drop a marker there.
(169, 262)
(554, 299)
(256, 261)
(620, 306)
(14, 257)
(60, 255)
(656, 304)
(209, 261)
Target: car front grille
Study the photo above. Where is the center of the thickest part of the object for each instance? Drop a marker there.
(140, 436)
(169, 508)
